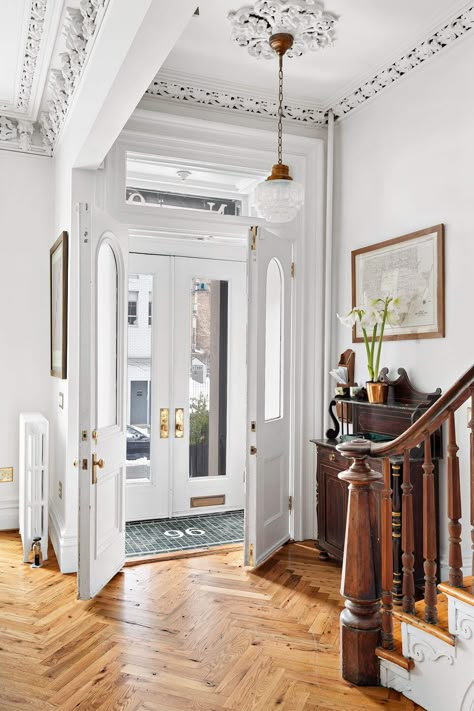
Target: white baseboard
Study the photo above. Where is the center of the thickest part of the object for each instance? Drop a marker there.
(65, 544)
(9, 515)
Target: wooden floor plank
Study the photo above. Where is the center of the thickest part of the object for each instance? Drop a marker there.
(193, 634)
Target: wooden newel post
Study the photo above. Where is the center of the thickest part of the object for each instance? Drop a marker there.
(361, 583)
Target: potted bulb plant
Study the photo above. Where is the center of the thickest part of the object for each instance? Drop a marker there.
(373, 319)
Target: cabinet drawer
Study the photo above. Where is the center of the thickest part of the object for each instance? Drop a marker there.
(333, 458)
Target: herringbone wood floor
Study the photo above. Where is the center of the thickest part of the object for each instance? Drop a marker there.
(197, 634)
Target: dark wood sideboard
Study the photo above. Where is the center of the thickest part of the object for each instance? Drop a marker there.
(377, 422)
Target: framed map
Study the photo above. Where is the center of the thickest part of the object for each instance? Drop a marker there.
(411, 267)
(58, 265)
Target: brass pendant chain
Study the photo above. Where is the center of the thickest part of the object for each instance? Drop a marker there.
(280, 109)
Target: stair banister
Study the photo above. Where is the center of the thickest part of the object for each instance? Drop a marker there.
(364, 623)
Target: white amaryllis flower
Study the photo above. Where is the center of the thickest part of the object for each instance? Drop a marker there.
(397, 309)
(354, 316)
(373, 319)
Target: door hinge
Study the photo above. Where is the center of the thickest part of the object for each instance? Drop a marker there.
(95, 435)
(290, 503)
(292, 270)
(253, 450)
(251, 555)
(253, 241)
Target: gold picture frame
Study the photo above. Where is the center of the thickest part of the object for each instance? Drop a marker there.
(58, 294)
(411, 266)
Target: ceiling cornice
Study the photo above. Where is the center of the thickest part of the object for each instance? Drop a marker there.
(32, 48)
(431, 46)
(232, 99)
(80, 28)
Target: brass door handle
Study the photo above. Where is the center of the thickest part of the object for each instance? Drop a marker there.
(96, 463)
(164, 422)
(179, 423)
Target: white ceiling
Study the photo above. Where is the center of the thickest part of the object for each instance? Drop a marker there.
(370, 35)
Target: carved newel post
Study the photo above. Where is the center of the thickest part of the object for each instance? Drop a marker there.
(361, 584)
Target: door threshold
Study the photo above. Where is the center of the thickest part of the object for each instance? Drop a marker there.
(176, 555)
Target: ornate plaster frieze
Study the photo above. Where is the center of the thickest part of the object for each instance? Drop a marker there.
(32, 48)
(79, 31)
(444, 37)
(311, 26)
(20, 135)
(233, 102)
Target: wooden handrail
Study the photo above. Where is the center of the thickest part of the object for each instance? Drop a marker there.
(429, 421)
(368, 562)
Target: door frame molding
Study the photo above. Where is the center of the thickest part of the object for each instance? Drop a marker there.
(166, 135)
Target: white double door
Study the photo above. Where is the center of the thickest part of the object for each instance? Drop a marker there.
(187, 356)
(258, 438)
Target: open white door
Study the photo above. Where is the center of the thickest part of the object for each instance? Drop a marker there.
(102, 398)
(269, 406)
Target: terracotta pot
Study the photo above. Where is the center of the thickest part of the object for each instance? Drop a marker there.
(377, 392)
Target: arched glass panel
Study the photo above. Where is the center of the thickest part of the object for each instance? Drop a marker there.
(107, 320)
(273, 341)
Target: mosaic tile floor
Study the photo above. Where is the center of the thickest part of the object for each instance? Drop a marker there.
(179, 534)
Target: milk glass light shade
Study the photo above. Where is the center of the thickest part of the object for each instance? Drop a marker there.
(279, 198)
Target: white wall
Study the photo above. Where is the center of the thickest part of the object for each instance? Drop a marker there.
(26, 234)
(405, 161)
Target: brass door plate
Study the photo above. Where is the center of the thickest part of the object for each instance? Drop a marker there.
(6, 474)
(198, 501)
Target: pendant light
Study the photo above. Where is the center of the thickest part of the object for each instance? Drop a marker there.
(279, 197)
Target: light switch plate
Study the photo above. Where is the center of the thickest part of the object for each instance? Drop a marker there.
(6, 474)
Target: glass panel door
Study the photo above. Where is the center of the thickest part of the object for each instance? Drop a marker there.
(209, 384)
(208, 378)
(140, 295)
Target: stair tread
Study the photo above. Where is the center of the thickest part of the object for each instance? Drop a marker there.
(465, 594)
(439, 630)
(395, 655)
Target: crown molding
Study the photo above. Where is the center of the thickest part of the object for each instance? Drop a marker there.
(34, 36)
(425, 50)
(231, 99)
(80, 29)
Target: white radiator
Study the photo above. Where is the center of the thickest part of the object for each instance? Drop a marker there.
(33, 473)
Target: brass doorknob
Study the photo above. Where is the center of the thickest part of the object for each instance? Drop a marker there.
(96, 463)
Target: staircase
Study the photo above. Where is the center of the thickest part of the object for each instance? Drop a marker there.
(424, 648)
(434, 664)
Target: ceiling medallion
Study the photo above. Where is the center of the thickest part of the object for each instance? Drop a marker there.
(306, 20)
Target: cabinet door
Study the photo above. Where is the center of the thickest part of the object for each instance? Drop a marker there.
(332, 510)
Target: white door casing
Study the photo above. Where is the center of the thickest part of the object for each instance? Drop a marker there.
(102, 398)
(269, 394)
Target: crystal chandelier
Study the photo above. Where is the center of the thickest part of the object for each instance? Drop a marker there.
(279, 197)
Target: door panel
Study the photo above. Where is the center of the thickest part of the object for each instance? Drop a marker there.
(269, 415)
(149, 360)
(102, 396)
(209, 367)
